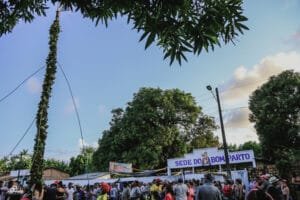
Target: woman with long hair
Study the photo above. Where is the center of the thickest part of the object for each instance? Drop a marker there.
(169, 193)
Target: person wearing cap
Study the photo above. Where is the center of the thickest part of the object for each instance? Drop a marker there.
(208, 191)
(274, 189)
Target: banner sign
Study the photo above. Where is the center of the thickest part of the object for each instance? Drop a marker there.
(21, 172)
(211, 156)
(120, 167)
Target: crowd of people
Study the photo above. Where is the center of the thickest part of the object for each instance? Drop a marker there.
(261, 188)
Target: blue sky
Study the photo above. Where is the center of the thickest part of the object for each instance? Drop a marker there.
(106, 66)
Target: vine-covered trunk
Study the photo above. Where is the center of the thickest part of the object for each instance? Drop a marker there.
(37, 167)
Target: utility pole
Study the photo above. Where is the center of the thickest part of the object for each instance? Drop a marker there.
(223, 135)
(217, 98)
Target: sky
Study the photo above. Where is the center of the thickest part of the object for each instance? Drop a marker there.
(106, 66)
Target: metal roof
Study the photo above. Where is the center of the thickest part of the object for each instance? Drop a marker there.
(88, 176)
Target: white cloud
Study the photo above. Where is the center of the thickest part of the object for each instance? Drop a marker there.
(236, 92)
(240, 135)
(70, 108)
(33, 85)
(245, 81)
(60, 154)
(238, 118)
(83, 143)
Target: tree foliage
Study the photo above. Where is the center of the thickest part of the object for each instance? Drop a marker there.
(249, 145)
(23, 160)
(177, 26)
(275, 110)
(285, 159)
(156, 125)
(82, 163)
(201, 135)
(252, 145)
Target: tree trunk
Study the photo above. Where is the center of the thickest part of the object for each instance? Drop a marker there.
(37, 167)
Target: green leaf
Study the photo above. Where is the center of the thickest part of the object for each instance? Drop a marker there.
(167, 54)
(243, 26)
(242, 19)
(150, 40)
(178, 57)
(143, 36)
(183, 56)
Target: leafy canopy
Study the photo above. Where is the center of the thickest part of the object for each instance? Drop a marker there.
(249, 145)
(156, 125)
(23, 160)
(177, 26)
(82, 163)
(275, 110)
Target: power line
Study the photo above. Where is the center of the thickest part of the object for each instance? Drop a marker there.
(73, 100)
(20, 84)
(78, 118)
(20, 140)
(230, 109)
(225, 110)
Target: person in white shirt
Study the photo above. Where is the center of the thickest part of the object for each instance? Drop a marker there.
(70, 191)
(180, 190)
(113, 192)
(135, 192)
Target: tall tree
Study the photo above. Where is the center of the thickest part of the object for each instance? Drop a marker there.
(275, 110)
(252, 145)
(36, 171)
(201, 135)
(156, 125)
(3, 166)
(82, 163)
(21, 160)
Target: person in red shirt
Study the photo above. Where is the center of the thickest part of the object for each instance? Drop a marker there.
(228, 190)
(169, 193)
(191, 191)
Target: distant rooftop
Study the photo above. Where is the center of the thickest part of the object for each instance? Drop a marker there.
(89, 176)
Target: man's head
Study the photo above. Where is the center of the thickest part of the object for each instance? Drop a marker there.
(208, 178)
(70, 185)
(180, 180)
